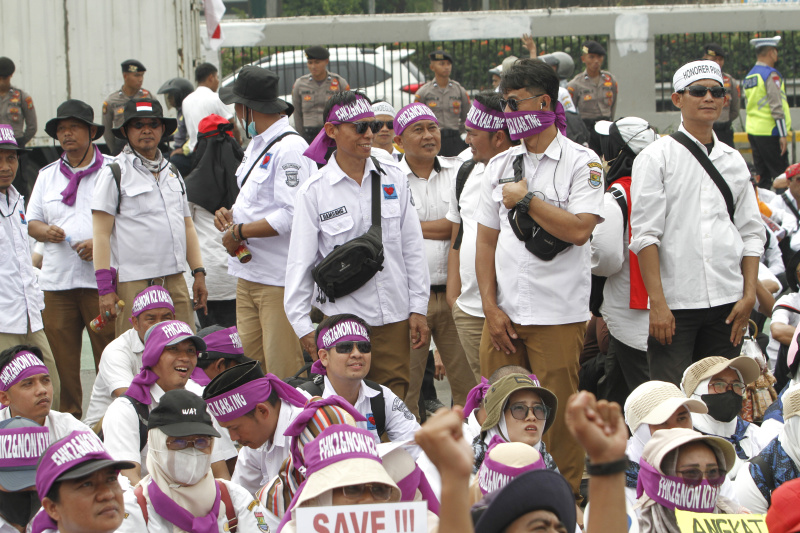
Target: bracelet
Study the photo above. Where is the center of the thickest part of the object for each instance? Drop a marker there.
(233, 234)
(607, 469)
(241, 237)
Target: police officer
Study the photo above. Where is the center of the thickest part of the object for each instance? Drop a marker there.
(768, 118)
(114, 105)
(311, 91)
(449, 102)
(730, 111)
(594, 91)
(16, 108)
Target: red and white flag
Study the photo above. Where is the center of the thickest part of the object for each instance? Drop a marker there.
(214, 10)
(142, 107)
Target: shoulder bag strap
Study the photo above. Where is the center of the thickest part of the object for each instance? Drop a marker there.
(117, 173)
(376, 195)
(378, 405)
(619, 196)
(270, 145)
(138, 490)
(230, 511)
(790, 205)
(709, 167)
(461, 180)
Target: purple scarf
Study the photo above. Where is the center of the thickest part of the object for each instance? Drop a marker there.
(523, 124)
(69, 194)
(177, 515)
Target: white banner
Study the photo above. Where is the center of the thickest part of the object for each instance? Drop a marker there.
(403, 517)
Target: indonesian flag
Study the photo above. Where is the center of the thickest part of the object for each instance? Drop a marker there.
(142, 107)
(214, 10)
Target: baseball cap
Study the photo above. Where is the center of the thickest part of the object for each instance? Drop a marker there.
(653, 402)
(783, 515)
(498, 394)
(710, 366)
(8, 141)
(505, 461)
(24, 442)
(791, 402)
(164, 334)
(180, 413)
(634, 132)
(222, 343)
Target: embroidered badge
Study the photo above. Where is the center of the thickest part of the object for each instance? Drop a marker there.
(119, 110)
(307, 98)
(105, 107)
(291, 170)
(398, 405)
(261, 521)
(456, 106)
(252, 505)
(371, 422)
(339, 211)
(22, 218)
(389, 192)
(587, 97)
(29, 101)
(595, 179)
(432, 103)
(265, 161)
(607, 84)
(594, 164)
(14, 101)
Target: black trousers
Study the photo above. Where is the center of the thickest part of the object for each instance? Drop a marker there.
(220, 313)
(699, 333)
(625, 369)
(452, 144)
(767, 158)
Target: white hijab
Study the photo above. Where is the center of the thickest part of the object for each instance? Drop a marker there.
(637, 441)
(501, 430)
(790, 439)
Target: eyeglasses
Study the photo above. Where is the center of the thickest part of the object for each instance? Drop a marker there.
(361, 127)
(699, 91)
(379, 491)
(694, 476)
(388, 123)
(722, 386)
(153, 124)
(198, 443)
(347, 346)
(514, 103)
(520, 411)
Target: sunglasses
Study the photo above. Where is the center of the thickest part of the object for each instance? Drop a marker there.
(153, 124)
(694, 476)
(347, 346)
(198, 443)
(388, 123)
(722, 386)
(520, 411)
(379, 491)
(361, 127)
(699, 91)
(512, 104)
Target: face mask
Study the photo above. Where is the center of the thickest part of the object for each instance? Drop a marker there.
(523, 124)
(187, 466)
(723, 407)
(251, 129)
(19, 507)
(675, 492)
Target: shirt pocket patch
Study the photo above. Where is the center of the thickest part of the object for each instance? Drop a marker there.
(140, 201)
(390, 221)
(333, 229)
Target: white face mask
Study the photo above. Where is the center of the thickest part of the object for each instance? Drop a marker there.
(187, 466)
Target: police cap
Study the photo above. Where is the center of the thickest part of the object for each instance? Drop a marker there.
(317, 52)
(713, 50)
(7, 67)
(761, 42)
(593, 47)
(131, 65)
(439, 55)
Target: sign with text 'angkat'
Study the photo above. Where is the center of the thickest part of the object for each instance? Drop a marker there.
(403, 517)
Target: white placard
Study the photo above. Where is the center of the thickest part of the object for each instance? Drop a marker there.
(402, 517)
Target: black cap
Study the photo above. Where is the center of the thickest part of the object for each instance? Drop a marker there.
(317, 52)
(181, 413)
(439, 55)
(145, 108)
(713, 50)
(219, 353)
(593, 47)
(7, 67)
(233, 378)
(74, 109)
(256, 88)
(131, 65)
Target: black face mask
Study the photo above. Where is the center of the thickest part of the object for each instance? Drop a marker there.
(19, 507)
(723, 407)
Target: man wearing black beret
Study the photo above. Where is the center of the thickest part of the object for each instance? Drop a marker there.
(114, 105)
(311, 91)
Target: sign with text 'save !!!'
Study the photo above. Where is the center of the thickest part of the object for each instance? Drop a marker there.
(403, 517)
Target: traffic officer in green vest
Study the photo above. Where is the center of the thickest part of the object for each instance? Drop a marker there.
(723, 127)
(311, 92)
(768, 118)
(114, 105)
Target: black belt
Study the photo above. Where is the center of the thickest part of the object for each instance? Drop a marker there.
(438, 288)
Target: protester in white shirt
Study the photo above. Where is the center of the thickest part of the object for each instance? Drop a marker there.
(60, 215)
(784, 207)
(384, 139)
(144, 225)
(18, 472)
(699, 262)
(536, 309)
(335, 206)
(204, 101)
(122, 358)
(21, 299)
(269, 177)
(487, 136)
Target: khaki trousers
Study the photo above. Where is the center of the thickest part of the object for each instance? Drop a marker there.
(550, 352)
(267, 335)
(38, 339)
(470, 329)
(445, 335)
(65, 316)
(390, 362)
(175, 284)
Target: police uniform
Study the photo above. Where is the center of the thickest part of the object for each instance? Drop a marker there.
(768, 117)
(114, 107)
(16, 109)
(310, 96)
(596, 100)
(450, 105)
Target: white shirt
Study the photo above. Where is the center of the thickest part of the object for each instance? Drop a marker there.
(432, 201)
(269, 193)
(120, 362)
(60, 424)
(566, 100)
(5, 527)
(255, 468)
(783, 316)
(471, 427)
(772, 257)
(782, 213)
(21, 299)
(469, 300)
(529, 290)
(62, 268)
(149, 235)
(677, 206)
(220, 284)
(610, 258)
(332, 209)
(121, 430)
(197, 106)
(250, 514)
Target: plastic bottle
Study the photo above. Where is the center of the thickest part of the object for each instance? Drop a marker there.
(102, 320)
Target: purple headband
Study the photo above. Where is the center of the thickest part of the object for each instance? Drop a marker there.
(21, 447)
(417, 480)
(225, 341)
(241, 400)
(476, 396)
(484, 118)
(351, 112)
(523, 124)
(674, 493)
(410, 114)
(7, 136)
(494, 475)
(22, 366)
(152, 298)
(347, 330)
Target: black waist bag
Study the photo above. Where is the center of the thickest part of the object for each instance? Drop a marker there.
(351, 265)
(537, 240)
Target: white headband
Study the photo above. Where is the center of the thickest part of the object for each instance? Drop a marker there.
(383, 108)
(694, 71)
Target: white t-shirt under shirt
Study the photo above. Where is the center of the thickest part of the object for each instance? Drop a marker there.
(221, 285)
(197, 106)
(60, 424)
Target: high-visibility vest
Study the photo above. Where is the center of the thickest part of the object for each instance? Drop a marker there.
(759, 116)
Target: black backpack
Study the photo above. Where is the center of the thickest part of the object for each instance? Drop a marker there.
(143, 413)
(461, 179)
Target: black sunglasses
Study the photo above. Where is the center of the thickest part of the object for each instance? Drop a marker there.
(347, 347)
(361, 127)
(514, 103)
(699, 91)
(388, 123)
(152, 124)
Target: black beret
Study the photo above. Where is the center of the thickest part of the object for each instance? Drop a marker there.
(593, 47)
(131, 65)
(7, 67)
(439, 55)
(317, 52)
(232, 378)
(713, 50)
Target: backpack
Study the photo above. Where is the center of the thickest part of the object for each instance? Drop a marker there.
(117, 173)
(599, 282)
(230, 512)
(461, 179)
(143, 414)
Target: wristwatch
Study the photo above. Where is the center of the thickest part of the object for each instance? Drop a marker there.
(198, 270)
(525, 202)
